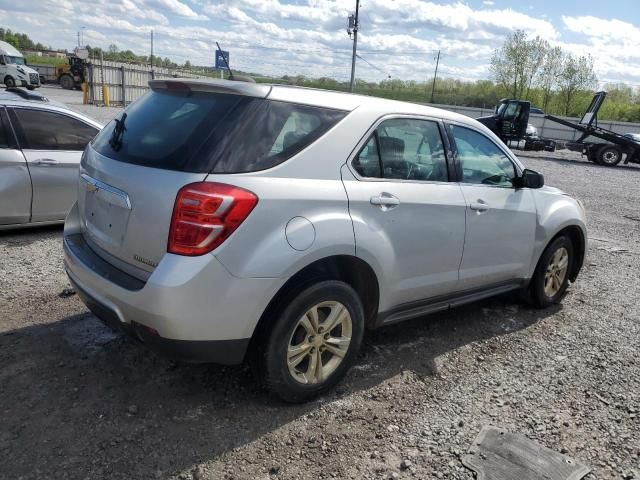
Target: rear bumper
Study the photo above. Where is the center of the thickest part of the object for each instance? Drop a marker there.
(191, 308)
(228, 352)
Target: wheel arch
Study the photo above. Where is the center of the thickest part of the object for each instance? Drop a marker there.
(348, 268)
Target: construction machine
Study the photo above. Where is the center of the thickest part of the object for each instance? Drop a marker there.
(71, 75)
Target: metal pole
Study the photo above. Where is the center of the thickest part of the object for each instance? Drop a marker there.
(152, 55)
(435, 75)
(124, 87)
(355, 45)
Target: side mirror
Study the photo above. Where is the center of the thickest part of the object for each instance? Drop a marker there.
(530, 179)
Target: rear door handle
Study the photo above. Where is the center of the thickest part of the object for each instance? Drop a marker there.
(385, 200)
(45, 161)
(479, 206)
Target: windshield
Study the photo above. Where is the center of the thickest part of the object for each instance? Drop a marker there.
(15, 60)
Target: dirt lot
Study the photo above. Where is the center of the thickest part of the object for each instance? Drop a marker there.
(77, 401)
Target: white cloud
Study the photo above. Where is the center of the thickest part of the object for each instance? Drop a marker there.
(309, 36)
(614, 45)
(174, 6)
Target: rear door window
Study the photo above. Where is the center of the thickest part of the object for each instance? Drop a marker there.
(44, 130)
(210, 132)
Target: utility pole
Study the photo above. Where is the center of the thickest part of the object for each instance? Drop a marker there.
(151, 55)
(78, 38)
(355, 45)
(435, 75)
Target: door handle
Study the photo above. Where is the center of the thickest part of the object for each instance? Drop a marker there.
(479, 206)
(385, 200)
(45, 161)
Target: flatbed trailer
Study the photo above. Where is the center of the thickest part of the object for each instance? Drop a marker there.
(616, 145)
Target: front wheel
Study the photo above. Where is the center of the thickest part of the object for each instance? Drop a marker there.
(67, 82)
(9, 82)
(313, 342)
(551, 277)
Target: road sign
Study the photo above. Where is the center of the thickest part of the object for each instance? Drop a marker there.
(220, 65)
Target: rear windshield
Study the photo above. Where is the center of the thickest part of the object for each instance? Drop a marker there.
(205, 132)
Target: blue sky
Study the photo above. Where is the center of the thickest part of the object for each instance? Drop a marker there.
(397, 37)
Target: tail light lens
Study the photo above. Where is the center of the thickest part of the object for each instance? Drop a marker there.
(205, 214)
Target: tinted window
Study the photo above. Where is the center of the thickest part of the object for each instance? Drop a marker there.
(42, 130)
(4, 131)
(481, 160)
(409, 150)
(206, 132)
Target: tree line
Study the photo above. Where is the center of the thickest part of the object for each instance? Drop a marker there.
(20, 40)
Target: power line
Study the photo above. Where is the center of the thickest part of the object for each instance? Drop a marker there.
(372, 65)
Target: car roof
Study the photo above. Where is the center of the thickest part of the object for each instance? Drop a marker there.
(14, 97)
(310, 96)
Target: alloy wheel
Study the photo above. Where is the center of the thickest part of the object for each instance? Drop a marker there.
(319, 342)
(556, 272)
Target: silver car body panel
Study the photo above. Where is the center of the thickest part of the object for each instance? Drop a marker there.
(15, 187)
(427, 245)
(45, 181)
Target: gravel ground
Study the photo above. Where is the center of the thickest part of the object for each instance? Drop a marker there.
(77, 401)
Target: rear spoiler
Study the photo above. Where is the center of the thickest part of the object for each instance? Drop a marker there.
(248, 89)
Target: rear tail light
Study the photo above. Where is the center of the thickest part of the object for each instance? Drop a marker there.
(204, 216)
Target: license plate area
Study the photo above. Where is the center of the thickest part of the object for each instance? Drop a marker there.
(106, 211)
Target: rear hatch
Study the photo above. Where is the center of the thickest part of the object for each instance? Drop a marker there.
(175, 135)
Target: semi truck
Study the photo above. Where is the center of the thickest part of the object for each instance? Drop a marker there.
(14, 71)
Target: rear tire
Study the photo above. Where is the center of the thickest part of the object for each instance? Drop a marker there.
(312, 343)
(609, 155)
(551, 277)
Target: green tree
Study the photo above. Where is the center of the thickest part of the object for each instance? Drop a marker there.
(550, 74)
(577, 75)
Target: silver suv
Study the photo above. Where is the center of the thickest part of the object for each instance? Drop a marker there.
(222, 221)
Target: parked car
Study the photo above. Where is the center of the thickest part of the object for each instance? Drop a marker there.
(222, 221)
(41, 143)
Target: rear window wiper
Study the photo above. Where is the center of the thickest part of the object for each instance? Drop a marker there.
(118, 131)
